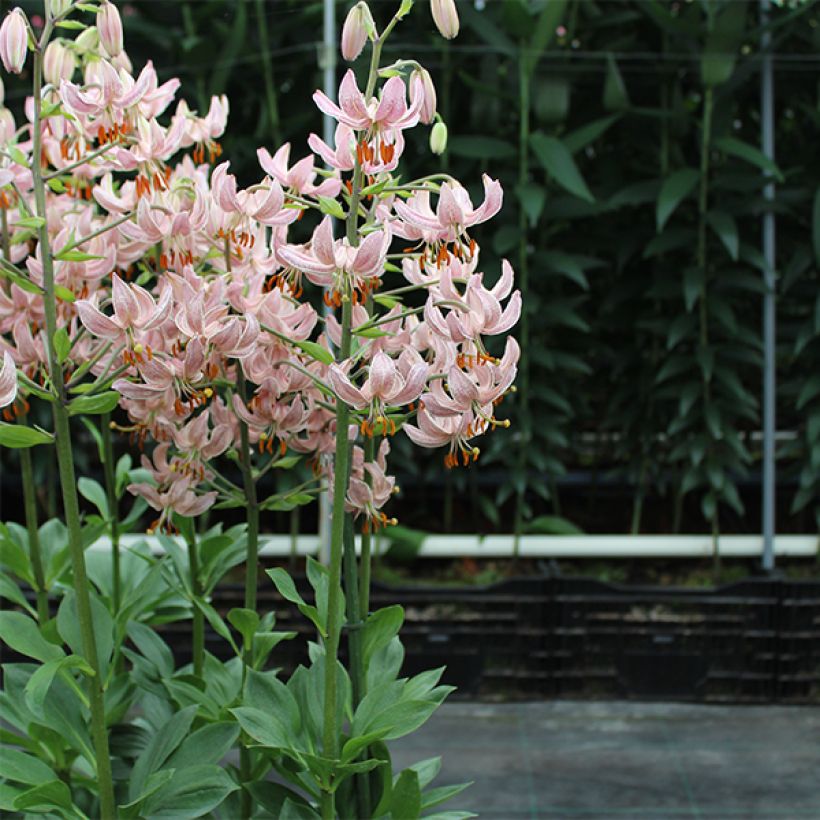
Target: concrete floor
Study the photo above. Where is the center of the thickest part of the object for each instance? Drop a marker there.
(626, 761)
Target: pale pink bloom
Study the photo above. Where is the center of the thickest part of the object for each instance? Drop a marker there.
(203, 129)
(263, 203)
(453, 215)
(108, 88)
(8, 380)
(387, 113)
(484, 316)
(437, 431)
(476, 389)
(355, 30)
(109, 27)
(388, 382)
(153, 144)
(327, 258)
(134, 309)
(445, 17)
(342, 156)
(367, 500)
(198, 443)
(427, 91)
(59, 63)
(299, 177)
(14, 41)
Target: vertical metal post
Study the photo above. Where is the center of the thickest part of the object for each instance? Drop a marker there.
(769, 252)
(328, 54)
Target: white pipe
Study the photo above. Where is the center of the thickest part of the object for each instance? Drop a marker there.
(546, 546)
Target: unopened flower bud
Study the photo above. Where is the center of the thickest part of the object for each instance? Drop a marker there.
(438, 138)
(357, 27)
(425, 87)
(14, 41)
(88, 40)
(59, 7)
(445, 17)
(109, 26)
(58, 63)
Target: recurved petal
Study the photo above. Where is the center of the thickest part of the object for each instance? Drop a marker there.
(8, 380)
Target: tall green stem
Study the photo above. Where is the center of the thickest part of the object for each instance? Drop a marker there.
(29, 487)
(703, 267)
(523, 280)
(272, 104)
(113, 505)
(251, 570)
(198, 620)
(65, 458)
(30, 507)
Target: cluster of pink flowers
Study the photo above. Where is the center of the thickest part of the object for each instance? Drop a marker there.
(187, 294)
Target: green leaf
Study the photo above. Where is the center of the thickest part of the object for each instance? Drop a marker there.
(532, 198)
(380, 628)
(75, 256)
(33, 222)
(748, 153)
(315, 351)
(68, 625)
(405, 801)
(264, 728)
(328, 205)
(578, 139)
(51, 795)
(287, 462)
(284, 584)
(11, 592)
(169, 736)
(815, 227)
(616, 97)
(21, 767)
(191, 792)
(207, 745)
(64, 294)
(22, 282)
(719, 53)
(20, 633)
(552, 525)
(40, 682)
(94, 405)
(481, 147)
(246, 621)
(92, 491)
(673, 191)
(724, 225)
(16, 436)
(559, 164)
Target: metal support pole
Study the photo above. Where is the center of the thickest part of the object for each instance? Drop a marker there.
(328, 57)
(769, 251)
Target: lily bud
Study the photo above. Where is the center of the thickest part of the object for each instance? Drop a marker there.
(428, 92)
(438, 138)
(357, 27)
(109, 26)
(445, 17)
(58, 63)
(14, 41)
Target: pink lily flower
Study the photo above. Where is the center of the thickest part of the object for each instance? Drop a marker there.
(134, 309)
(453, 215)
(388, 383)
(389, 112)
(299, 177)
(263, 203)
(8, 380)
(437, 431)
(328, 259)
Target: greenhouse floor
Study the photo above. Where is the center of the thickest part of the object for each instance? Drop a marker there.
(625, 761)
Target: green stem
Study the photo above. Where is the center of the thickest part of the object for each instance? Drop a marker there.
(30, 507)
(29, 485)
(198, 625)
(113, 505)
(65, 460)
(523, 282)
(251, 572)
(267, 74)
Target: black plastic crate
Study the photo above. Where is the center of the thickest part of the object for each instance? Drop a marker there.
(667, 643)
(798, 659)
